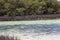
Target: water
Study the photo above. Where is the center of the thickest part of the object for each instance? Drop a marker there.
(32, 30)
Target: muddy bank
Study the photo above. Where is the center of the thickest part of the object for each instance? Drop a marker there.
(29, 17)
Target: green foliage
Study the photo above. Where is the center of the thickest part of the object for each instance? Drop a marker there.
(28, 7)
(20, 9)
(7, 5)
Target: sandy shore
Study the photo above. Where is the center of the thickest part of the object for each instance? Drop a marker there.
(32, 36)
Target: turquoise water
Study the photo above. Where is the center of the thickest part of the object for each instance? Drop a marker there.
(32, 30)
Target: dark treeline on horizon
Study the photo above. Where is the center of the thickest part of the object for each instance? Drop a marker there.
(28, 7)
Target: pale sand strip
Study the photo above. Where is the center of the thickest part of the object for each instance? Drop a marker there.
(30, 22)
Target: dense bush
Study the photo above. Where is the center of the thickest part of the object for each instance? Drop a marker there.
(28, 7)
(7, 38)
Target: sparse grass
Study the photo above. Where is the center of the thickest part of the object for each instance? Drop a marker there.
(7, 38)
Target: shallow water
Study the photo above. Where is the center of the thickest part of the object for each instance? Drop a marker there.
(32, 30)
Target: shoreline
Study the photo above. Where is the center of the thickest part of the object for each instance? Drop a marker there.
(30, 17)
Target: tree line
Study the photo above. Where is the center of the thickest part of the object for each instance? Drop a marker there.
(28, 7)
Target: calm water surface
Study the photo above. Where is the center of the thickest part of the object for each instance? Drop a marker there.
(32, 30)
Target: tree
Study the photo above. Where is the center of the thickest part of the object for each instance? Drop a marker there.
(28, 7)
